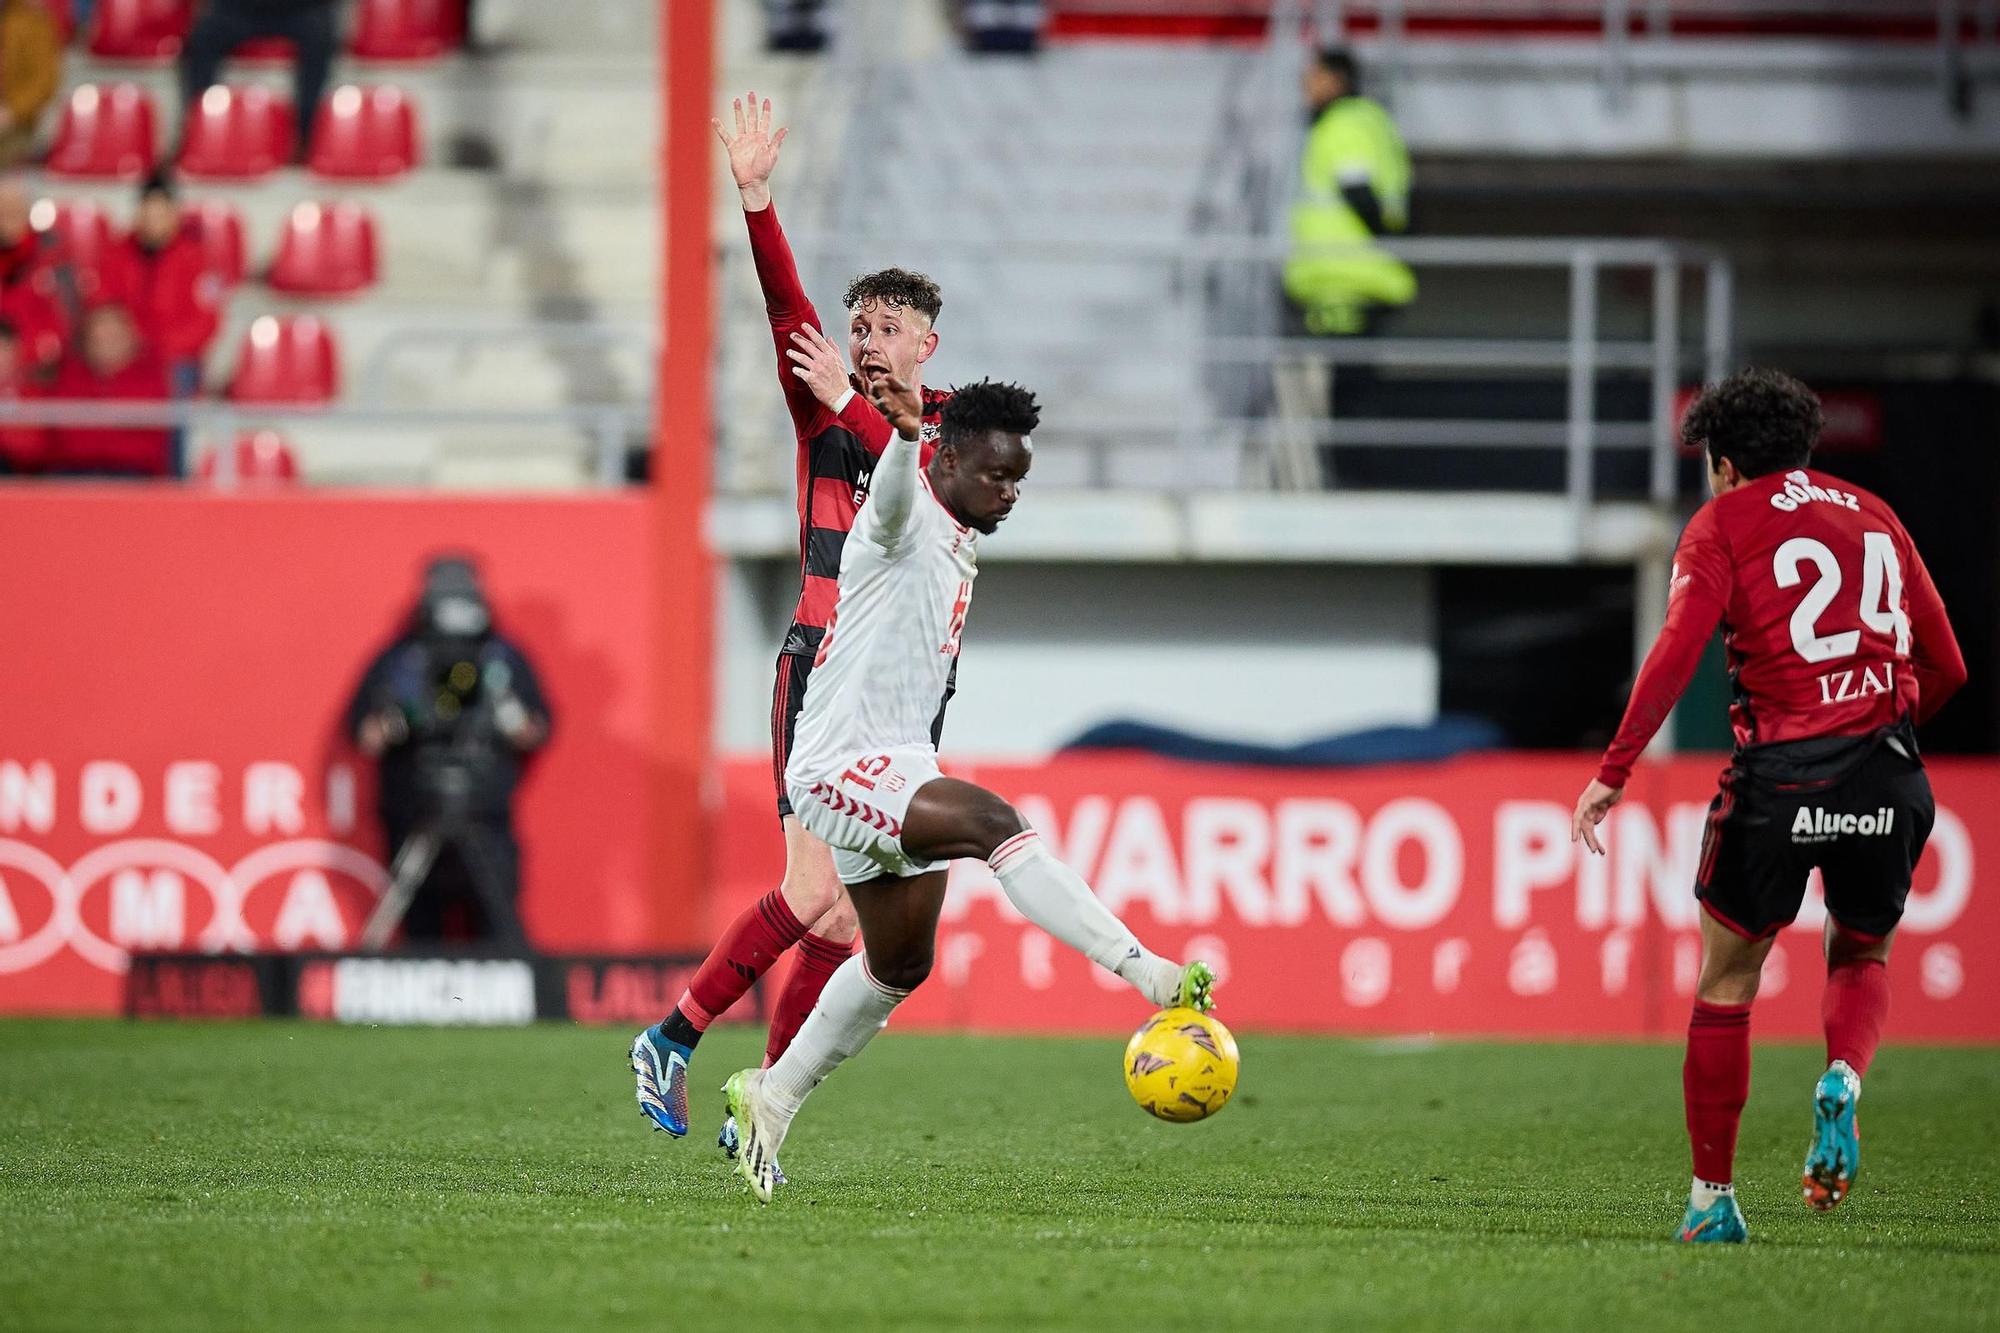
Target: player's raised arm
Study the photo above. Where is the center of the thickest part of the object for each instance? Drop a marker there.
(894, 489)
(753, 148)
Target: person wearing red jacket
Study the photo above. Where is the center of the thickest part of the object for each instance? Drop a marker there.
(40, 291)
(1838, 645)
(24, 446)
(159, 272)
(112, 364)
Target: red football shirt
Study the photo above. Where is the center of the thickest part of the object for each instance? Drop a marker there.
(1830, 620)
(837, 450)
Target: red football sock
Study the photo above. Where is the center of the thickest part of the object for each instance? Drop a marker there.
(1715, 1081)
(1853, 1009)
(818, 959)
(746, 951)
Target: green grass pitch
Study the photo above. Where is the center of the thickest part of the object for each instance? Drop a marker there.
(294, 1176)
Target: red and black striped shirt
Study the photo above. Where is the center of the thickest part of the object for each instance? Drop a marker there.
(837, 450)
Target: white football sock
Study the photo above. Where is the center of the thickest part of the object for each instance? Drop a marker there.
(851, 1010)
(1054, 897)
(1706, 1192)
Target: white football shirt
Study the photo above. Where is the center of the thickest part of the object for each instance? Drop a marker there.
(906, 577)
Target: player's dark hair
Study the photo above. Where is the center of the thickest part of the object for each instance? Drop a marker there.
(988, 405)
(896, 286)
(1761, 420)
(1339, 60)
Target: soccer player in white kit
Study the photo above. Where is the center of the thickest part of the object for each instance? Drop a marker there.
(863, 774)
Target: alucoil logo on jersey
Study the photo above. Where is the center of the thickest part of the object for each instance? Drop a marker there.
(1813, 824)
(1800, 490)
(130, 890)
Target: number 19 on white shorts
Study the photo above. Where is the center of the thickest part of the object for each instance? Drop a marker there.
(860, 812)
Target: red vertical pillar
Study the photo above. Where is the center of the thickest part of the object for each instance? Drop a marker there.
(682, 659)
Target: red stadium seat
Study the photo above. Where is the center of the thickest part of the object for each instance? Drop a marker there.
(406, 29)
(325, 250)
(106, 133)
(237, 133)
(259, 458)
(149, 30)
(365, 134)
(84, 229)
(219, 227)
(286, 359)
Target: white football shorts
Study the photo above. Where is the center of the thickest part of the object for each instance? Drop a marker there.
(860, 813)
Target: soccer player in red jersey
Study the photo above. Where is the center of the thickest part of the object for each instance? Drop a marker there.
(1838, 645)
(890, 332)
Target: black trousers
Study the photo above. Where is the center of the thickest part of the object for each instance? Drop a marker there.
(450, 907)
(225, 25)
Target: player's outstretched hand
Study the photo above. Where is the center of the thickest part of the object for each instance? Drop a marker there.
(1591, 808)
(900, 402)
(753, 149)
(817, 361)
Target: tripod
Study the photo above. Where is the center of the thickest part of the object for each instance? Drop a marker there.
(449, 824)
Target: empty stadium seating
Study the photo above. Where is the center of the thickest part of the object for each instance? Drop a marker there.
(237, 133)
(286, 359)
(325, 250)
(145, 30)
(259, 458)
(220, 228)
(106, 132)
(406, 29)
(365, 134)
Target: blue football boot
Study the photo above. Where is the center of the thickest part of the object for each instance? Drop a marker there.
(662, 1067)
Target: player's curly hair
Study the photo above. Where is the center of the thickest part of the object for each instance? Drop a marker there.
(975, 409)
(1762, 420)
(896, 287)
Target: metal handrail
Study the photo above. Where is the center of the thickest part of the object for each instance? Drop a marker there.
(610, 425)
(1582, 353)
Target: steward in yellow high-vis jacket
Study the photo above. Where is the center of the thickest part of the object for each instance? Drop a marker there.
(1354, 185)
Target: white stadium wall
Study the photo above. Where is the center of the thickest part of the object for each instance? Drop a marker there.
(1247, 652)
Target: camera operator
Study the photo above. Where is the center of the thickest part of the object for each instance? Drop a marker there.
(450, 709)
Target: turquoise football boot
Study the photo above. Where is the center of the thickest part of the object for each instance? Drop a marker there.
(1721, 1223)
(1834, 1158)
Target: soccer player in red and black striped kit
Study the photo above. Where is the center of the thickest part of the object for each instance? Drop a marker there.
(891, 315)
(1838, 645)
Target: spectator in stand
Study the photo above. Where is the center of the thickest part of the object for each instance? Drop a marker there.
(1354, 186)
(23, 447)
(113, 364)
(31, 56)
(312, 26)
(39, 292)
(160, 273)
